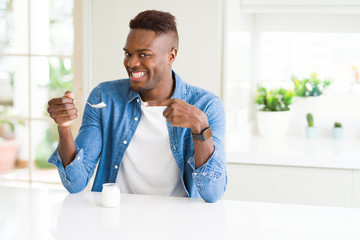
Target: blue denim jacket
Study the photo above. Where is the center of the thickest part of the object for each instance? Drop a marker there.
(106, 133)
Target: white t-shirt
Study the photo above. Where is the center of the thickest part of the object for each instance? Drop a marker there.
(148, 166)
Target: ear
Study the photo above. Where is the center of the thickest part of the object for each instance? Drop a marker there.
(172, 55)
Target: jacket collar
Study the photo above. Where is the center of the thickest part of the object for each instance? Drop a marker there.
(180, 89)
(131, 95)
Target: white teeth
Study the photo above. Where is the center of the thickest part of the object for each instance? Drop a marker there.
(137, 74)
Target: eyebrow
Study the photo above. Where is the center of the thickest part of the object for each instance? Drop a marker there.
(139, 50)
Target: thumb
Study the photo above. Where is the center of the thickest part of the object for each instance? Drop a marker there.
(68, 94)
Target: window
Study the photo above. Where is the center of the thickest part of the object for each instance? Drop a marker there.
(36, 64)
(331, 55)
(272, 47)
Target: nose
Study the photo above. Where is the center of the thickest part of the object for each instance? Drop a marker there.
(132, 61)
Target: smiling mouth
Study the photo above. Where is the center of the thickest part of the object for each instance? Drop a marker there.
(136, 75)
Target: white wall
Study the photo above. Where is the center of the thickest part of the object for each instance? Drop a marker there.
(199, 60)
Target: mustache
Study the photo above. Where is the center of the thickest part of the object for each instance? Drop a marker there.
(135, 70)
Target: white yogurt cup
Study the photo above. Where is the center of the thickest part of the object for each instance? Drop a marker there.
(110, 195)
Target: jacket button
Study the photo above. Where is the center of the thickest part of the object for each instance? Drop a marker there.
(136, 118)
(124, 142)
(116, 167)
(137, 100)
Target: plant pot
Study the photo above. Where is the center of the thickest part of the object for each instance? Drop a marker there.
(310, 132)
(338, 133)
(273, 125)
(8, 153)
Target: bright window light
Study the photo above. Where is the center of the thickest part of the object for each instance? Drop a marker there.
(330, 55)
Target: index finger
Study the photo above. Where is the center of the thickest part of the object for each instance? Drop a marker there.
(59, 101)
(164, 102)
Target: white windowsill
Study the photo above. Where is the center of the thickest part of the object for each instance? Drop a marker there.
(296, 151)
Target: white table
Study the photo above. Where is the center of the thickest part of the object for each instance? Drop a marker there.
(49, 214)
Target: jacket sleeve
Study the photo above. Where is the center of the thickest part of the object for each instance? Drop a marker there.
(88, 144)
(211, 178)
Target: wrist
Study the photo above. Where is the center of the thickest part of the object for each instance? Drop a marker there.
(62, 129)
(200, 124)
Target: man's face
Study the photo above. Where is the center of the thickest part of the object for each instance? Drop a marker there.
(147, 59)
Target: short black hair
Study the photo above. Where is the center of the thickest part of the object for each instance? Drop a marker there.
(157, 21)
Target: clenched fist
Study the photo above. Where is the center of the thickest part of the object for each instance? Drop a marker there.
(63, 109)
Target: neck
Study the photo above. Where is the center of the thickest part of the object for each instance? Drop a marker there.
(165, 91)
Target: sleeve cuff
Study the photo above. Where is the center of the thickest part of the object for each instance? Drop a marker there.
(212, 169)
(55, 160)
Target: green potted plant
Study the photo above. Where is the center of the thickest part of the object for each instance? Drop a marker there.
(311, 86)
(310, 130)
(273, 114)
(44, 149)
(337, 131)
(8, 145)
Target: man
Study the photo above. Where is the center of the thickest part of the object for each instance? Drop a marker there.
(157, 134)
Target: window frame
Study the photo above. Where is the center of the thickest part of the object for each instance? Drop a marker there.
(81, 15)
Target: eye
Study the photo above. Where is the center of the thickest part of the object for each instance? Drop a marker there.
(127, 54)
(142, 55)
